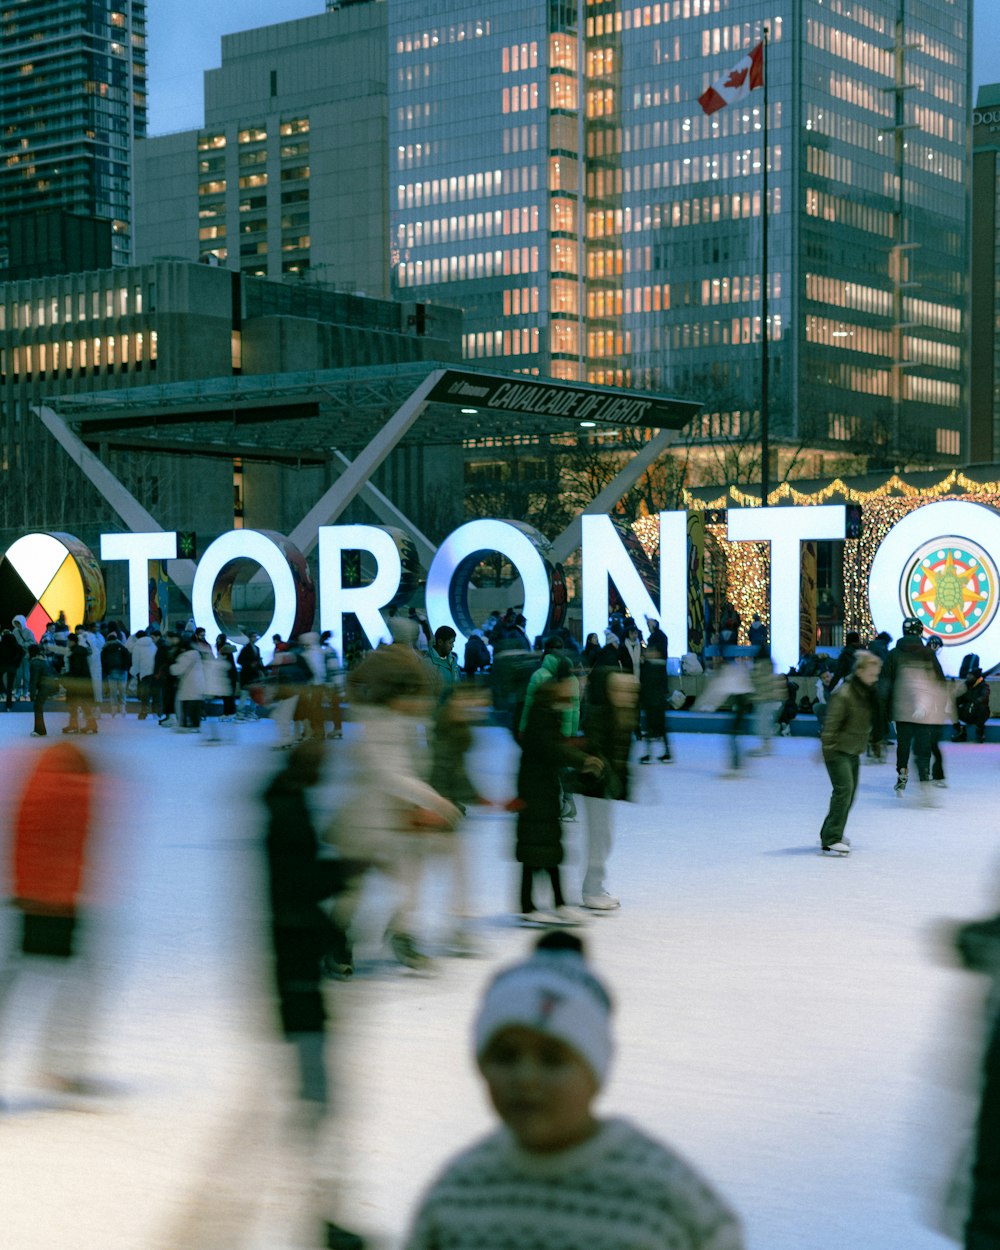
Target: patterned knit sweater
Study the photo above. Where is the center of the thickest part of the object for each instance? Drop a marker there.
(620, 1190)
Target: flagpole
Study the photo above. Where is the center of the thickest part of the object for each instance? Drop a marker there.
(765, 450)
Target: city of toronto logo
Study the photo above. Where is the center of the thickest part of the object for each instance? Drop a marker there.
(950, 586)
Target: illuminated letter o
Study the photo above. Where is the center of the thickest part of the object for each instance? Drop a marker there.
(930, 552)
(264, 550)
(447, 591)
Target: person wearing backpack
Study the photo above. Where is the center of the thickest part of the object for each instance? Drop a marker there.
(973, 705)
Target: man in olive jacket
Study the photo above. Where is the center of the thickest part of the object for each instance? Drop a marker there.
(848, 724)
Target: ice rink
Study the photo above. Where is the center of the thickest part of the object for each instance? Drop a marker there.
(790, 1022)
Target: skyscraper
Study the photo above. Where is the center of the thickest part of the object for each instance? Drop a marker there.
(553, 174)
(72, 102)
(985, 301)
(288, 175)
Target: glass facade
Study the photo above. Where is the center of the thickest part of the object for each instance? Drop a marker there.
(554, 176)
(72, 100)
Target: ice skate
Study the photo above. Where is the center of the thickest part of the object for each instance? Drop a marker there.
(601, 902)
(568, 917)
(900, 785)
(406, 951)
(537, 919)
(838, 848)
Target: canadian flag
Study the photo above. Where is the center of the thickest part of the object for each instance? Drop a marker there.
(737, 84)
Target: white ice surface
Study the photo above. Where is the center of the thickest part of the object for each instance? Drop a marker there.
(789, 1022)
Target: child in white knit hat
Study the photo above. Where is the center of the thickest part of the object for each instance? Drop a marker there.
(555, 1176)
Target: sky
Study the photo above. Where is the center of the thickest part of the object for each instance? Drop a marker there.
(184, 41)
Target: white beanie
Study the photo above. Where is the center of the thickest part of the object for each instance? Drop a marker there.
(555, 993)
(611, 637)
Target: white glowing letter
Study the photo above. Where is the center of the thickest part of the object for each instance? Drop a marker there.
(605, 559)
(936, 564)
(364, 601)
(245, 545)
(456, 558)
(786, 529)
(138, 550)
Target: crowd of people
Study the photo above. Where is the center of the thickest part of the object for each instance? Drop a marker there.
(580, 716)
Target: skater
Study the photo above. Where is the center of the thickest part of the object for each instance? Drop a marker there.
(79, 689)
(846, 731)
(42, 685)
(555, 1175)
(913, 675)
(544, 751)
(51, 846)
(653, 697)
(462, 707)
(610, 718)
(973, 706)
(303, 938)
(389, 809)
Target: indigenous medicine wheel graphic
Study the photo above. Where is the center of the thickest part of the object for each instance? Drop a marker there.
(42, 575)
(950, 586)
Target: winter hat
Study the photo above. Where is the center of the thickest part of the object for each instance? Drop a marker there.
(403, 630)
(611, 637)
(555, 993)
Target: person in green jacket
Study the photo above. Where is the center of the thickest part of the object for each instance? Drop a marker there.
(850, 715)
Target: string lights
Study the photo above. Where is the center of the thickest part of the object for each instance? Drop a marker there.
(744, 578)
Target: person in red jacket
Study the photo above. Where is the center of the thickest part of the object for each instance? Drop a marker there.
(49, 850)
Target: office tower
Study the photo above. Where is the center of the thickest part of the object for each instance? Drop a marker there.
(288, 176)
(72, 102)
(553, 175)
(985, 342)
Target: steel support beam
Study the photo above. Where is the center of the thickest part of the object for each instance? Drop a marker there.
(569, 539)
(389, 514)
(343, 491)
(131, 511)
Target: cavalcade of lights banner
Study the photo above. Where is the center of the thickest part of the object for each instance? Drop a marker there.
(938, 563)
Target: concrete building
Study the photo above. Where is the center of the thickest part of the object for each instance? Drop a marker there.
(141, 330)
(288, 177)
(984, 443)
(561, 184)
(73, 102)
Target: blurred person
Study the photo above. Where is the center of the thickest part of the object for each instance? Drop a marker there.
(11, 655)
(978, 946)
(655, 636)
(92, 638)
(164, 682)
(52, 838)
(609, 656)
(79, 689)
(334, 685)
(630, 653)
(730, 683)
(389, 808)
(144, 665)
(251, 666)
(972, 705)
(300, 881)
(591, 650)
(190, 694)
(653, 695)
(608, 737)
(225, 653)
(25, 639)
(846, 732)
(451, 738)
(115, 665)
(477, 654)
(201, 643)
(555, 1176)
(545, 751)
(913, 675)
(844, 666)
(729, 625)
(768, 691)
(757, 633)
(42, 685)
(554, 665)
